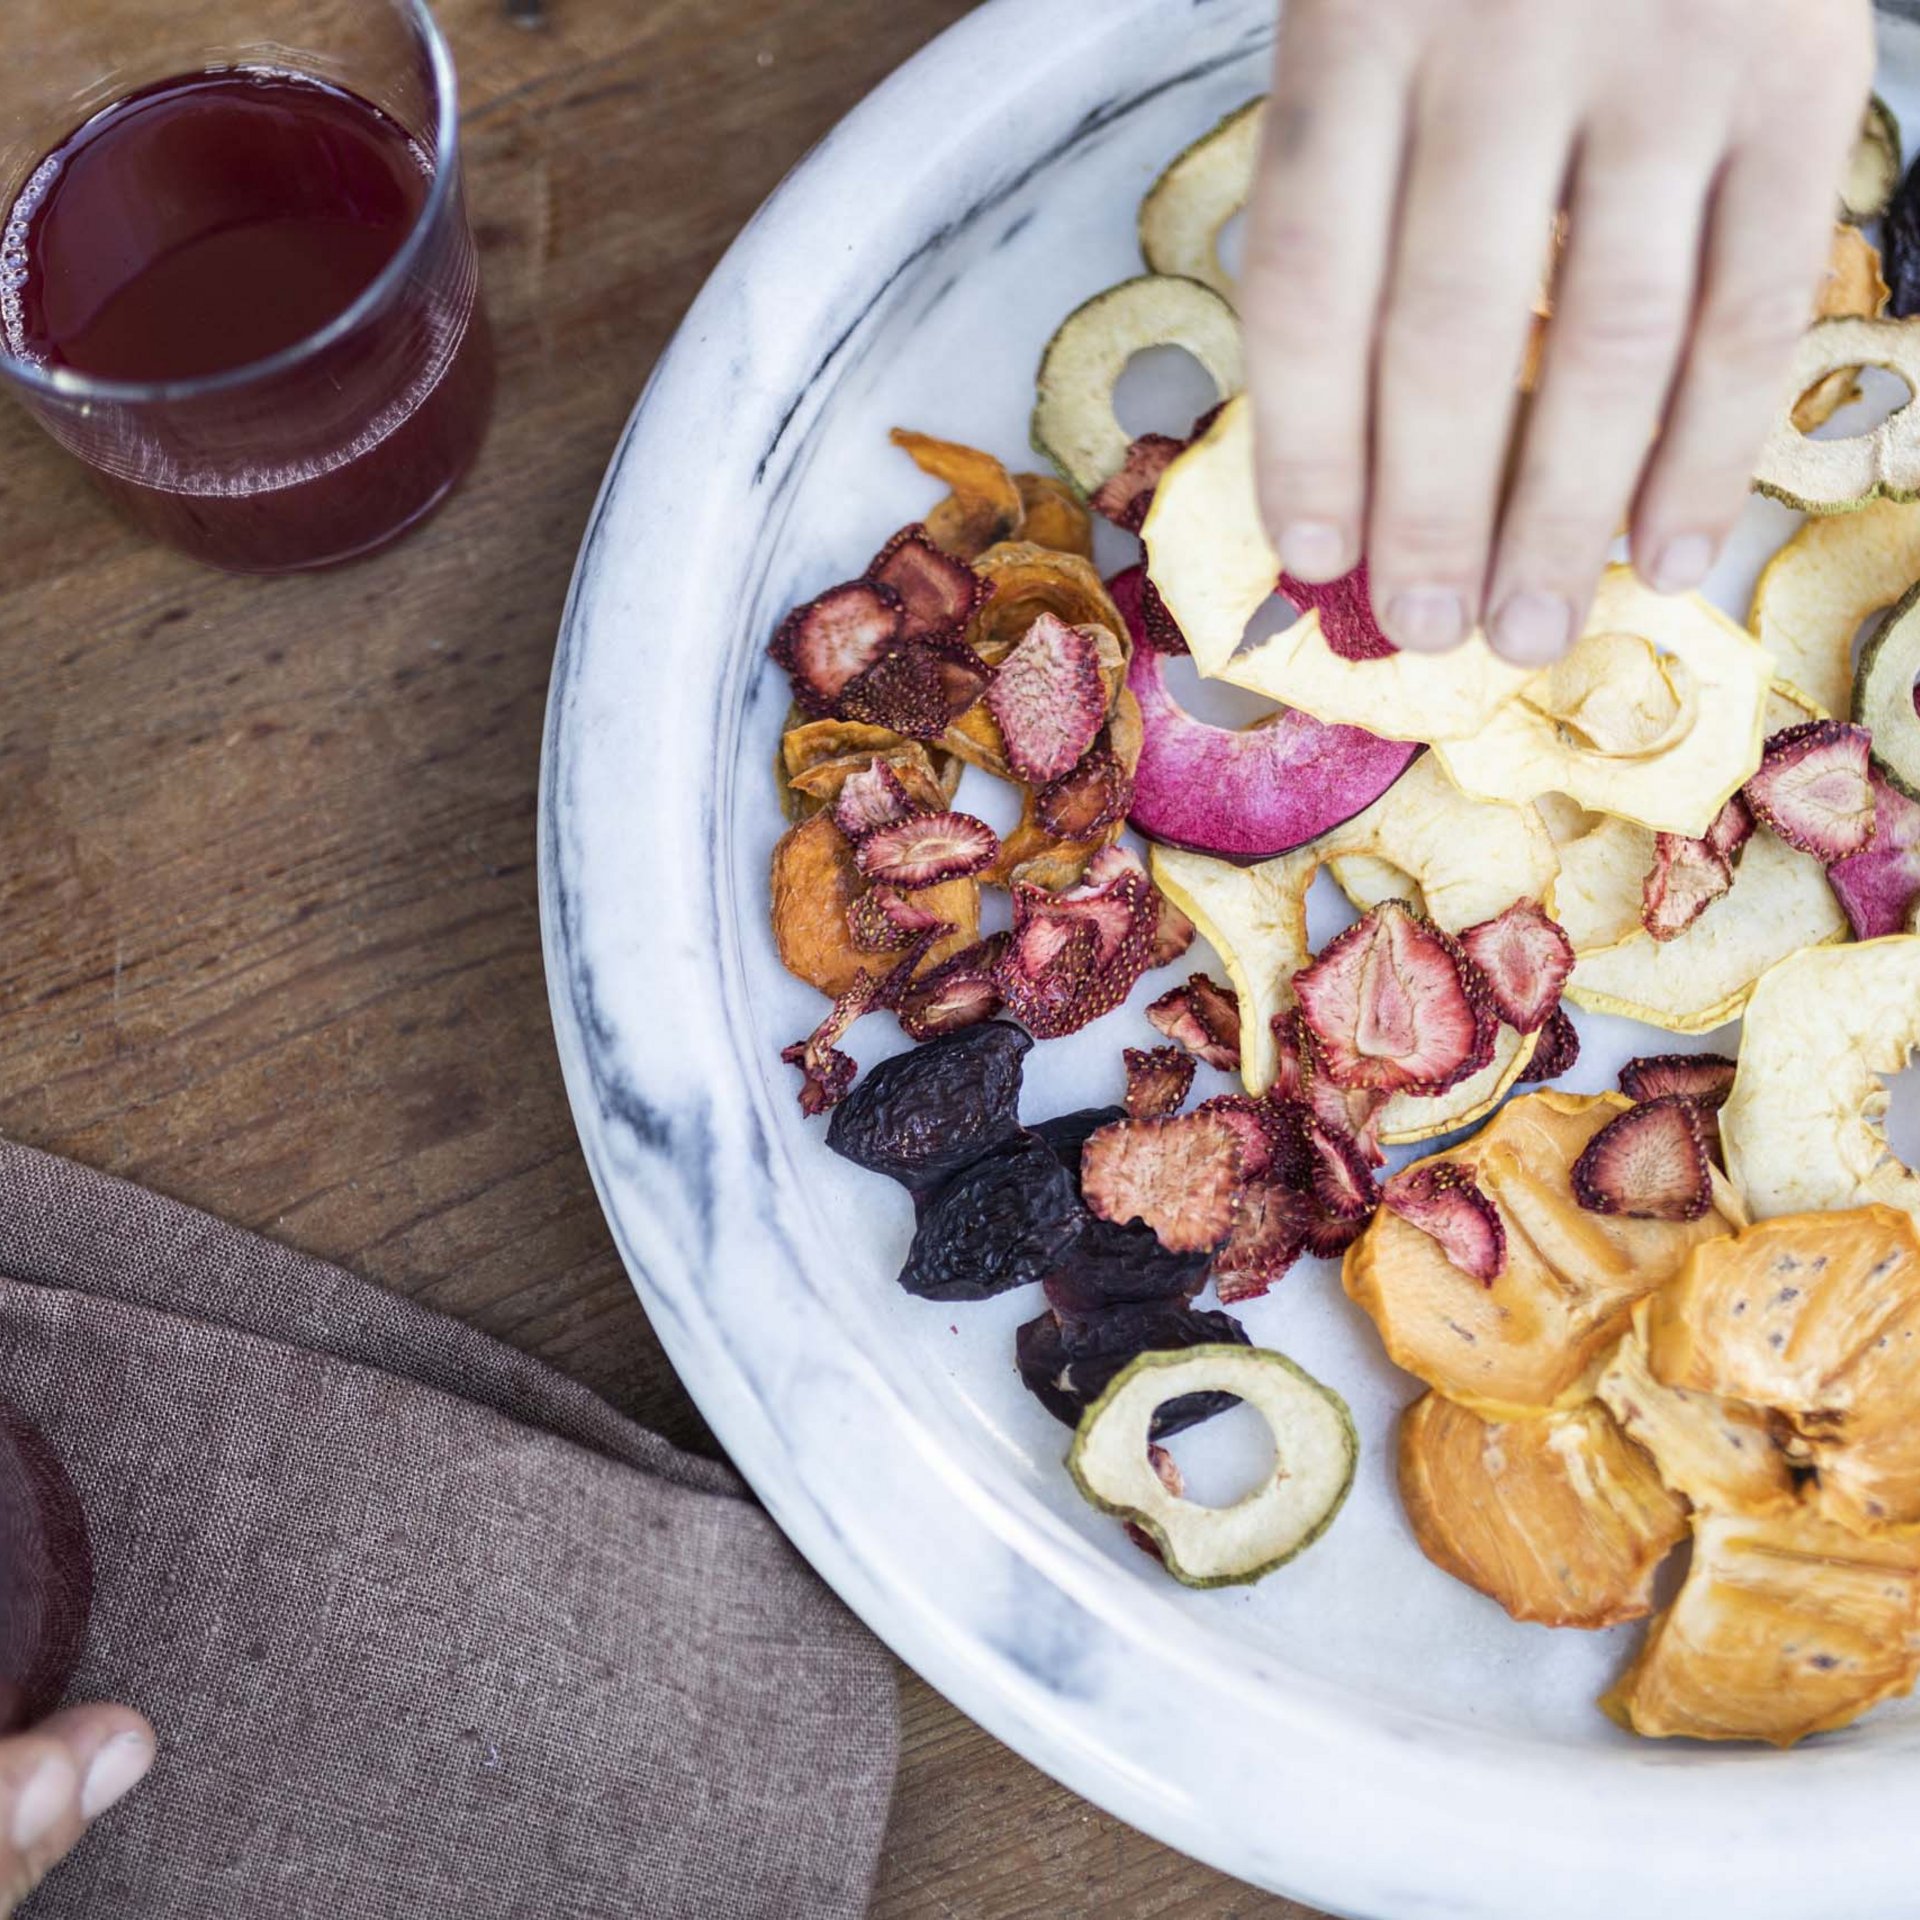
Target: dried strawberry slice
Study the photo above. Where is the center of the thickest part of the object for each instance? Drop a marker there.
(873, 797)
(938, 594)
(1446, 1203)
(1268, 1235)
(1204, 1017)
(1652, 1163)
(884, 920)
(1732, 828)
(1173, 933)
(1047, 976)
(1075, 955)
(1124, 497)
(1555, 1052)
(1329, 1235)
(1525, 958)
(827, 1074)
(1343, 1183)
(1298, 1077)
(1049, 699)
(926, 849)
(1150, 621)
(1088, 798)
(1812, 788)
(1393, 1004)
(1703, 1077)
(1267, 1136)
(1180, 1176)
(1877, 889)
(834, 640)
(1158, 1081)
(1293, 1048)
(1345, 607)
(960, 992)
(1687, 876)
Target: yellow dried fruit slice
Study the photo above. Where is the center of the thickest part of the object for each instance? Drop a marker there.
(1718, 1452)
(1779, 904)
(1202, 188)
(1559, 1517)
(1209, 555)
(1816, 1315)
(1532, 1339)
(1837, 476)
(1803, 1125)
(1823, 585)
(1656, 715)
(1787, 1625)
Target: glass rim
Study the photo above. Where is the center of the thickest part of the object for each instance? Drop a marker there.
(65, 385)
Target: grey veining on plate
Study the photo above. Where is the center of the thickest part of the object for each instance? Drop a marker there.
(1359, 1732)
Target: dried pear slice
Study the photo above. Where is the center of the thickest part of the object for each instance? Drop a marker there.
(1617, 728)
(1780, 902)
(1717, 1452)
(1816, 1315)
(1883, 694)
(1559, 1517)
(1209, 555)
(1602, 885)
(1074, 424)
(1315, 1445)
(1873, 168)
(1802, 1126)
(1533, 1338)
(1837, 476)
(1817, 591)
(1202, 188)
(1787, 1625)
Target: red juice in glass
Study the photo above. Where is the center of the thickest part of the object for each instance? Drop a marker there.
(247, 297)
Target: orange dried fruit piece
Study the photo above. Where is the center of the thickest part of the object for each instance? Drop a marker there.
(815, 884)
(1053, 515)
(1025, 580)
(821, 783)
(984, 507)
(1816, 1315)
(1787, 1625)
(1534, 1336)
(1719, 1453)
(1558, 1517)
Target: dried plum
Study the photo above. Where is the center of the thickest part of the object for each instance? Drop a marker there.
(1071, 1131)
(924, 1115)
(1114, 1266)
(1067, 1364)
(1006, 1219)
(1900, 247)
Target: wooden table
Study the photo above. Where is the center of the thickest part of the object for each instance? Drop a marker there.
(270, 940)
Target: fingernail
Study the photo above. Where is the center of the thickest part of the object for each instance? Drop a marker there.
(1313, 550)
(1532, 629)
(42, 1801)
(1427, 619)
(117, 1769)
(1684, 562)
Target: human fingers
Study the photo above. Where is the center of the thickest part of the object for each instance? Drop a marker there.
(57, 1778)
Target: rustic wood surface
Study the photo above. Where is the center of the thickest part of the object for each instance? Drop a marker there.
(270, 939)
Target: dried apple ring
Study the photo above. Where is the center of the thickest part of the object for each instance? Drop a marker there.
(1074, 424)
(1836, 476)
(1852, 290)
(1883, 695)
(1187, 209)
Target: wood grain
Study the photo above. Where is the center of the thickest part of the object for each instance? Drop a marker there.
(269, 939)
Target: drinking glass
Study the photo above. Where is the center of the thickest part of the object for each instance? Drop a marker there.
(329, 447)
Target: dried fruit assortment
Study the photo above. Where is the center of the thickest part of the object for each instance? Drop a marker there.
(1688, 1310)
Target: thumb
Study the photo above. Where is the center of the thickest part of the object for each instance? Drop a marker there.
(55, 1779)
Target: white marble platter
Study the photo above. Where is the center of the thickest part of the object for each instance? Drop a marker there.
(1358, 1731)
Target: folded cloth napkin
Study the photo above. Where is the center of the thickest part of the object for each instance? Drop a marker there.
(426, 1629)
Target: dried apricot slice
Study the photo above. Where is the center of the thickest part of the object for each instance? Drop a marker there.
(1557, 1516)
(985, 505)
(1532, 1337)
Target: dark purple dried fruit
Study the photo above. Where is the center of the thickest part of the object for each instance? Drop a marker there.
(924, 1115)
(1005, 1220)
(1067, 1134)
(1068, 1364)
(1900, 247)
(46, 1575)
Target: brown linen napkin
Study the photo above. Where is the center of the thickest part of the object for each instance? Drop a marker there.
(426, 1629)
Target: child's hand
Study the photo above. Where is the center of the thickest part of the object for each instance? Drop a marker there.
(56, 1778)
(1416, 151)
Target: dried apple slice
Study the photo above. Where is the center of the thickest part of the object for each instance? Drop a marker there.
(1787, 1625)
(1873, 168)
(1817, 1316)
(1200, 191)
(1073, 419)
(1715, 1451)
(1780, 903)
(1315, 1446)
(1656, 715)
(1803, 1125)
(1533, 1337)
(1558, 1517)
(1598, 896)
(1815, 594)
(1209, 556)
(1837, 476)
(1884, 691)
